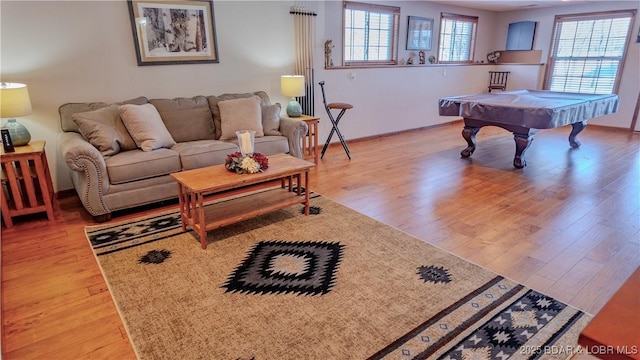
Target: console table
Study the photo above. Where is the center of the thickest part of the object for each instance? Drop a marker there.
(26, 182)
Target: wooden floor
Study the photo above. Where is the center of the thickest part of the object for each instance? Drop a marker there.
(567, 224)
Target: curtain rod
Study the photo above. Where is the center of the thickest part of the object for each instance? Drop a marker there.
(303, 13)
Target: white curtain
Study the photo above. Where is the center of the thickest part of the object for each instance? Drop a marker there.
(304, 31)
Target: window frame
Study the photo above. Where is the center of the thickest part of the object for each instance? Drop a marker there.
(472, 39)
(555, 39)
(394, 11)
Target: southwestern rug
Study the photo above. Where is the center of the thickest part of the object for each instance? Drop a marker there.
(332, 285)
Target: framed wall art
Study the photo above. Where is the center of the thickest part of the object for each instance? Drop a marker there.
(173, 32)
(419, 33)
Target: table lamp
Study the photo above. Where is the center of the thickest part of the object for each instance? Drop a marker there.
(292, 86)
(15, 102)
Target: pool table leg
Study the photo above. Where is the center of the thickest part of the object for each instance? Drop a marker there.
(577, 128)
(469, 134)
(523, 141)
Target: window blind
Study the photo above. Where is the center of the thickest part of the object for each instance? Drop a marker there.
(370, 33)
(457, 37)
(587, 52)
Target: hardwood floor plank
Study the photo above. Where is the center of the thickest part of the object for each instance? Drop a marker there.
(570, 256)
(568, 224)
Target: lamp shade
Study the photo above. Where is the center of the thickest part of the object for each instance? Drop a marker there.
(14, 100)
(292, 85)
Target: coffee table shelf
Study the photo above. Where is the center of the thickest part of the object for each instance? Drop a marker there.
(229, 212)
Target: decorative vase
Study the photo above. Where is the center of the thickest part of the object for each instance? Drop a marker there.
(19, 134)
(294, 109)
(246, 139)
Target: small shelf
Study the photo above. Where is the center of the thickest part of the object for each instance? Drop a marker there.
(228, 212)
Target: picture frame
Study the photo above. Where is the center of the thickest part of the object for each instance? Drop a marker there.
(173, 32)
(520, 35)
(419, 33)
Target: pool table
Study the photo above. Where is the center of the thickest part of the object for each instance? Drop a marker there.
(524, 112)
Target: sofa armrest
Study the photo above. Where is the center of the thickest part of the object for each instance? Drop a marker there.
(295, 131)
(90, 177)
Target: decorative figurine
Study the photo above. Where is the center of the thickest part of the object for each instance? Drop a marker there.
(493, 57)
(422, 57)
(410, 61)
(432, 59)
(328, 47)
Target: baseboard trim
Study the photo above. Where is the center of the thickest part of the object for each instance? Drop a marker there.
(457, 122)
(63, 194)
(379, 136)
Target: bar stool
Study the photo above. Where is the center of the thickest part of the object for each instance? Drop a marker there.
(343, 107)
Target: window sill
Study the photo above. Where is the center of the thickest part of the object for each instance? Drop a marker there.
(422, 65)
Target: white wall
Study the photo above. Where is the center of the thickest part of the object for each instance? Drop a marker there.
(404, 98)
(630, 82)
(78, 51)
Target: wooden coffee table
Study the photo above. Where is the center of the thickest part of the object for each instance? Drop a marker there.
(216, 182)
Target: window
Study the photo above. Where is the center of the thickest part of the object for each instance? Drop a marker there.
(370, 34)
(587, 52)
(457, 38)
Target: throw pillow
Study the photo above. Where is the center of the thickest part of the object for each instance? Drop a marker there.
(213, 101)
(145, 126)
(271, 119)
(240, 114)
(186, 119)
(103, 128)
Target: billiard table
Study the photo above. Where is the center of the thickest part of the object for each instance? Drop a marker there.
(524, 112)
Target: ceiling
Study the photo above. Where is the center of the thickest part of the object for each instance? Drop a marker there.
(511, 5)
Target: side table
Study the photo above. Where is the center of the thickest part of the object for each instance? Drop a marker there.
(614, 332)
(310, 142)
(26, 182)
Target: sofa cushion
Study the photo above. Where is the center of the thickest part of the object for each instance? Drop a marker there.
(271, 119)
(104, 129)
(67, 110)
(201, 153)
(240, 114)
(137, 165)
(215, 110)
(270, 145)
(146, 127)
(186, 119)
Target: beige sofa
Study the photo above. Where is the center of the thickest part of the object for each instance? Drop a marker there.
(119, 160)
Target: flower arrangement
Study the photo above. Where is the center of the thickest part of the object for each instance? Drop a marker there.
(246, 164)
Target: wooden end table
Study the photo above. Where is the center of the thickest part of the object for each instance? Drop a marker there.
(614, 333)
(25, 173)
(216, 182)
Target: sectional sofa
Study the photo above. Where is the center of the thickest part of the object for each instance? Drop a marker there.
(121, 155)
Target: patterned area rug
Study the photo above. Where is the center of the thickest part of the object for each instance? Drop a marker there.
(332, 285)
